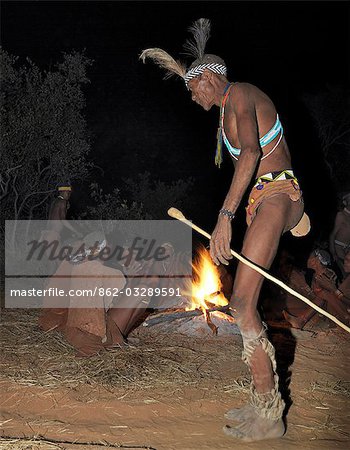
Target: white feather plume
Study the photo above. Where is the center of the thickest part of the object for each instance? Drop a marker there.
(164, 60)
(201, 33)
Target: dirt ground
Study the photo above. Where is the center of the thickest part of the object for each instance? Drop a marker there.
(166, 392)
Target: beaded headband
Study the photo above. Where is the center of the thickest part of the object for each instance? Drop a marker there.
(194, 47)
(64, 188)
(198, 70)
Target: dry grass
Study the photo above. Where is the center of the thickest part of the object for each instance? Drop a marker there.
(241, 385)
(332, 387)
(34, 358)
(38, 443)
(328, 425)
(28, 444)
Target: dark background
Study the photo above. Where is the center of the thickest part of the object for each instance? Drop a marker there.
(138, 122)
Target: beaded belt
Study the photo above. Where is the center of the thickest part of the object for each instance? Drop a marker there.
(275, 176)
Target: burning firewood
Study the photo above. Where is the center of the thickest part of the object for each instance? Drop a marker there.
(213, 328)
(205, 295)
(206, 289)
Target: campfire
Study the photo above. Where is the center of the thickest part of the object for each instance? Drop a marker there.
(206, 287)
(205, 304)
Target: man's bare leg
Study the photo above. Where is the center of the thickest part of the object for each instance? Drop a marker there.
(262, 418)
(130, 309)
(125, 318)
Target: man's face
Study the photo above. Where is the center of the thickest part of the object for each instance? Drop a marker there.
(202, 91)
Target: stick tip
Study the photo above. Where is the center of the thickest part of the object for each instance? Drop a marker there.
(177, 214)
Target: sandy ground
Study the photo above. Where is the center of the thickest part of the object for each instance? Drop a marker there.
(188, 415)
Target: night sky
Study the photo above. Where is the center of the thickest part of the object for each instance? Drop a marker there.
(141, 123)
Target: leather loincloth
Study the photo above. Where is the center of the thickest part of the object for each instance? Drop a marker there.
(264, 190)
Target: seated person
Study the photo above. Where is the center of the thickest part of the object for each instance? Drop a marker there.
(323, 291)
(104, 322)
(88, 328)
(339, 240)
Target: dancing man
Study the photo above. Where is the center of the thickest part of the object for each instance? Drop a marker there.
(253, 134)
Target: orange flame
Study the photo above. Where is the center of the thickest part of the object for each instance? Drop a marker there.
(206, 289)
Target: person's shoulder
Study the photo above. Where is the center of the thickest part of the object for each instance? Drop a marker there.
(243, 87)
(243, 94)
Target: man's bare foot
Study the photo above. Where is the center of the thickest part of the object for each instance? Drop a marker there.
(296, 322)
(256, 428)
(240, 414)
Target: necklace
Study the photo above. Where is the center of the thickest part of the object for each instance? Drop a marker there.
(218, 154)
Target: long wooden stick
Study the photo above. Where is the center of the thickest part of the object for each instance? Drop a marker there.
(176, 214)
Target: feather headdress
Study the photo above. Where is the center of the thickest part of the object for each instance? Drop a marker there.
(201, 33)
(194, 47)
(164, 60)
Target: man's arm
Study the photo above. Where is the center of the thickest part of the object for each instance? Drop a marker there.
(247, 131)
(248, 136)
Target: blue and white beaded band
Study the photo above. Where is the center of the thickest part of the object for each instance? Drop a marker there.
(198, 70)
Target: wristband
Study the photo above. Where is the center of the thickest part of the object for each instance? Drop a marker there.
(227, 212)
